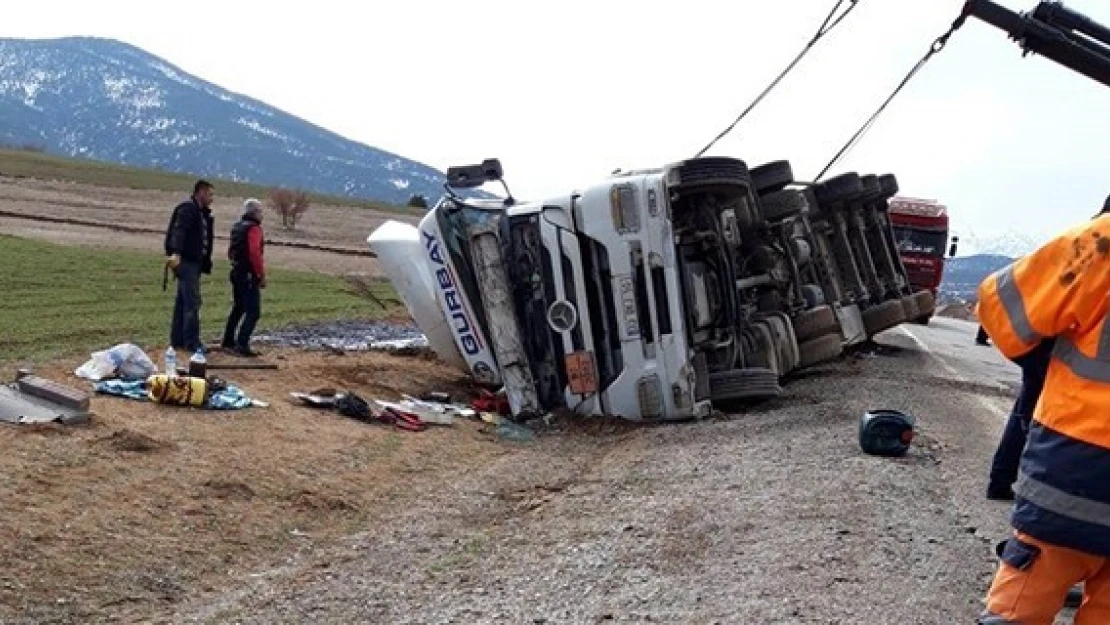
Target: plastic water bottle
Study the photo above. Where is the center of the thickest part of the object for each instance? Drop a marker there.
(171, 362)
(198, 365)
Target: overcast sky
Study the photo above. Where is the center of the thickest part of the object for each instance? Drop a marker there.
(565, 92)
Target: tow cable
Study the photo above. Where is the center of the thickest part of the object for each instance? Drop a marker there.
(826, 26)
(937, 46)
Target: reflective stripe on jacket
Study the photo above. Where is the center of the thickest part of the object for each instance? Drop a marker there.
(1061, 290)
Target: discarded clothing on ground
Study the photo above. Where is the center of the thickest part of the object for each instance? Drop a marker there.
(351, 405)
(125, 361)
(225, 397)
(320, 398)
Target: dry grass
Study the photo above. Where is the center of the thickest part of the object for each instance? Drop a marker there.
(23, 163)
(125, 517)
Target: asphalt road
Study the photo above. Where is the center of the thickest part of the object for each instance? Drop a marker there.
(952, 343)
(769, 515)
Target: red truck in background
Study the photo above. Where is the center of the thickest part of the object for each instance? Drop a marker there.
(921, 233)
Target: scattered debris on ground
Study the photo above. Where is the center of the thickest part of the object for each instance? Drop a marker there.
(31, 399)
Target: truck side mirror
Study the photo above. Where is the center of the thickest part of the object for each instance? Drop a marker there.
(952, 247)
(470, 176)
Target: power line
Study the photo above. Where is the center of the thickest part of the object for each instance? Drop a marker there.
(826, 26)
(936, 47)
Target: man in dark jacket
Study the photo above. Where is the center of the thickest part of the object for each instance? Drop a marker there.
(189, 254)
(1004, 467)
(248, 277)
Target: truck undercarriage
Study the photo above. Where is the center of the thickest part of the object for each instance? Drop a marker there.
(705, 278)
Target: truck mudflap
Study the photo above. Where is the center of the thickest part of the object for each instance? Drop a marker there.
(505, 336)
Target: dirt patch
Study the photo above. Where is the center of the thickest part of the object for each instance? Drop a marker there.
(154, 503)
(129, 441)
(317, 502)
(227, 489)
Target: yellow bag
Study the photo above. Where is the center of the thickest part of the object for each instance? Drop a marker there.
(177, 391)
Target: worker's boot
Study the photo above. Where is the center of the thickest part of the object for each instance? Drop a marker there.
(1000, 493)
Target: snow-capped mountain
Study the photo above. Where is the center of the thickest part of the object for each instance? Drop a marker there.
(964, 274)
(110, 101)
(1011, 243)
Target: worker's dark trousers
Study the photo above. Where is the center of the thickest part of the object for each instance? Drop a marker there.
(185, 327)
(981, 336)
(247, 308)
(1034, 368)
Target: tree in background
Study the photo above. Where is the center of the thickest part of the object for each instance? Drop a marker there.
(418, 201)
(291, 204)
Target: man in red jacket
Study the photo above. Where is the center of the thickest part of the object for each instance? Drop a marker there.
(248, 277)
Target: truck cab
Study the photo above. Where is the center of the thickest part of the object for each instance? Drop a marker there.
(582, 301)
(920, 229)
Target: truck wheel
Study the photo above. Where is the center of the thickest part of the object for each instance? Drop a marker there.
(926, 302)
(772, 177)
(781, 205)
(710, 171)
(883, 317)
(821, 349)
(889, 184)
(909, 306)
(750, 383)
(839, 189)
(815, 322)
(872, 190)
(766, 355)
(786, 342)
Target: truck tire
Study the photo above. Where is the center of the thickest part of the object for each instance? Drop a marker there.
(766, 355)
(839, 189)
(750, 383)
(889, 184)
(710, 171)
(772, 177)
(926, 302)
(872, 190)
(821, 349)
(909, 306)
(786, 341)
(782, 205)
(883, 316)
(815, 322)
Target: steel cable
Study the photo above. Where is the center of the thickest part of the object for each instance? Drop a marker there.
(826, 26)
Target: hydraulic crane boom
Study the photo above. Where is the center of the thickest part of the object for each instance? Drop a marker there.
(1055, 32)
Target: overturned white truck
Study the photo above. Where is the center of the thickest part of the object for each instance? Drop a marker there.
(651, 294)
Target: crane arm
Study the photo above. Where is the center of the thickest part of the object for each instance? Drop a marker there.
(1054, 32)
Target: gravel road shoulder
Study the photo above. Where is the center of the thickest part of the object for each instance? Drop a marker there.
(768, 516)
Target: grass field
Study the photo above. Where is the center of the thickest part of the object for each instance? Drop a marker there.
(58, 300)
(31, 164)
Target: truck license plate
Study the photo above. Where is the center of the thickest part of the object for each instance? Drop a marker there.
(580, 373)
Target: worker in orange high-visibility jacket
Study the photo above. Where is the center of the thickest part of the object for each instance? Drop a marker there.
(1061, 513)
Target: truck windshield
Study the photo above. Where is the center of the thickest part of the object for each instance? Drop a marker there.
(928, 242)
(452, 226)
